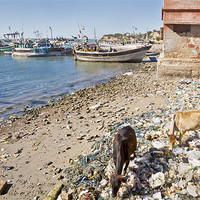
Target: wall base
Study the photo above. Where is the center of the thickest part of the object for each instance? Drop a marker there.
(188, 68)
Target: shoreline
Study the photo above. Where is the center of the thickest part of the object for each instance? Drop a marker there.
(36, 150)
(16, 109)
(29, 144)
(20, 111)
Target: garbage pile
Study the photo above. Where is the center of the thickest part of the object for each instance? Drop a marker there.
(156, 172)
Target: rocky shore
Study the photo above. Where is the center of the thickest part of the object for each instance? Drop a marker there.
(69, 142)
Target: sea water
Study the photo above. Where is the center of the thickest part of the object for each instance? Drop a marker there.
(34, 81)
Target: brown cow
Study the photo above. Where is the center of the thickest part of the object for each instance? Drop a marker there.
(124, 145)
(183, 121)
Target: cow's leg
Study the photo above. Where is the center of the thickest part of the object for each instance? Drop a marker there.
(180, 137)
(172, 139)
(126, 166)
(134, 155)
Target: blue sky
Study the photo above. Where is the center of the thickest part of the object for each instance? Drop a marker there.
(106, 16)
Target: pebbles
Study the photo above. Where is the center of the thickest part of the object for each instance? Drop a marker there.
(156, 173)
(119, 102)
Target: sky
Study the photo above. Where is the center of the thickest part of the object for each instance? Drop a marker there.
(65, 17)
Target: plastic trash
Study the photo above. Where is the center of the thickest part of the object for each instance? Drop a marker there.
(192, 190)
(157, 179)
(183, 168)
(157, 196)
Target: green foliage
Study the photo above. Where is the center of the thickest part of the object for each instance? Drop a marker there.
(127, 35)
(158, 38)
(140, 36)
(118, 35)
(150, 36)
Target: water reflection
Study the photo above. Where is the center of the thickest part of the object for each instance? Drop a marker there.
(99, 66)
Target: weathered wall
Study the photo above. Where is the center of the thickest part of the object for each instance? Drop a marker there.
(181, 50)
(178, 67)
(183, 17)
(182, 45)
(181, 4)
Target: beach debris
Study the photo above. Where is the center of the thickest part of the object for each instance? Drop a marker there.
(53, 194)
(156, 172)
(97, 106)
(157, 179)
(3, 185)
(128, 73)
(36, 198)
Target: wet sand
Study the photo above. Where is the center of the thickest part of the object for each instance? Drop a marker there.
(36, 148)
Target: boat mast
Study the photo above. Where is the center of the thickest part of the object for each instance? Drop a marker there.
(95, 37)
(134, 29)
(80, 32)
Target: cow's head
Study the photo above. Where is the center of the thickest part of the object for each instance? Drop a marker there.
(116, 181)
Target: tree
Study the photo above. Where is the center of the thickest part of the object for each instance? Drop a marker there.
(158, 38)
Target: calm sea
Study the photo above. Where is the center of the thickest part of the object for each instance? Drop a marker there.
(34, 81)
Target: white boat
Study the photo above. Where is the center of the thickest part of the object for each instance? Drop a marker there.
(112, 55)
(40, 50)
(27, 52)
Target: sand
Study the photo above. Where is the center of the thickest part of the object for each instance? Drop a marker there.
(36, 148)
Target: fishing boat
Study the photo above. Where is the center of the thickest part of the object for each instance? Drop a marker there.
(153, 59)
(37, 50)
(5, 47)
(117, 54)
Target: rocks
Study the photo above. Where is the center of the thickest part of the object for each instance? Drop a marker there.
(97, 106)
(93, 170)
(3, 185)
(65, 196)
(156, 172)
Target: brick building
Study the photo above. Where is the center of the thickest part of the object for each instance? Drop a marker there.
(181, 32)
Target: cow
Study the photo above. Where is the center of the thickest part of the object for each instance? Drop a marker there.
(124, 145)
(183, 121)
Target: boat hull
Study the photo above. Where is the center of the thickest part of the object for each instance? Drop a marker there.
(39, 52)
(134, 55)
(5, 49)
(22, 52)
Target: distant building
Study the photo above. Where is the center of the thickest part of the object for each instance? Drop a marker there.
(181, 34)
(155, 36)
(107, 39)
